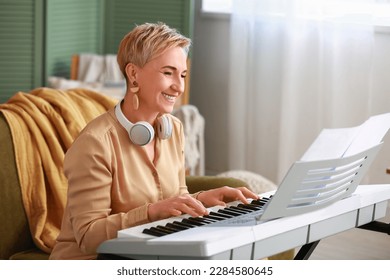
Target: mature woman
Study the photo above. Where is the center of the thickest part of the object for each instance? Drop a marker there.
(127, 166)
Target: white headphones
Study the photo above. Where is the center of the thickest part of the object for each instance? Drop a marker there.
(142, 133)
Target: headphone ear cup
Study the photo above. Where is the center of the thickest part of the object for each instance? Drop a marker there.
(141, 133)
(164, 127)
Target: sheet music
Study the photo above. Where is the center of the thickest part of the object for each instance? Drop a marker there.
(341, 142)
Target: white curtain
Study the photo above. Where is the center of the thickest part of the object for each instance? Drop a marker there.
(298, 66)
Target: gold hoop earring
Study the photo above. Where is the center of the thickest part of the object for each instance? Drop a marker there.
(135, 90)
(135, 102)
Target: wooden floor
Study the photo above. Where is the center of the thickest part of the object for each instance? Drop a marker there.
(355, 244)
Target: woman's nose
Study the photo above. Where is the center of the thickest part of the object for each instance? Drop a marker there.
(179, 85)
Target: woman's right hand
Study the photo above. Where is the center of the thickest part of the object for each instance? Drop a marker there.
(176, 206)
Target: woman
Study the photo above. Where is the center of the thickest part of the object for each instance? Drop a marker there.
(119, 173)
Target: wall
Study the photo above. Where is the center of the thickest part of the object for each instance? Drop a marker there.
(209, 76)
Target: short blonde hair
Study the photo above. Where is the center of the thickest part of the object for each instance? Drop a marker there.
(147, 41)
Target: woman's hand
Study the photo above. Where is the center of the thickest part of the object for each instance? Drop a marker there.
(222, 195)
(175, 206)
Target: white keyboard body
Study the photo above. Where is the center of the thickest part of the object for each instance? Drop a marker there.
(368, 203)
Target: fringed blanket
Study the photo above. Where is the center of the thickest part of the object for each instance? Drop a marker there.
(44, 124)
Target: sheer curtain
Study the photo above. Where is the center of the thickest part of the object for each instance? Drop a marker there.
(298, 66)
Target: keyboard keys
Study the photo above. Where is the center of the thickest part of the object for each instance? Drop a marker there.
(246, 210)
(249, 206)
(220, 215)
(176, 227)
(229, 212)
(183, 224)
(213, 217)
(192, 222)
(260, 201)
(202, 220)
(166, 229)
(153, 231)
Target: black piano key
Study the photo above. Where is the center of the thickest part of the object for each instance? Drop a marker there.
(260, 200)
(166, 229)
(183, 224)
(227, 212)
(246, 210)
(161, 229)
(154, 232)
(210, 218)
(192, 222)
(215, 218)
(250, 206)
(176, 227)
(212, 213)
(237, 210)
(257, 202)
(201, 219)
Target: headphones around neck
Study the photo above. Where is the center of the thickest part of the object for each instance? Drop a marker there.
(142, 133)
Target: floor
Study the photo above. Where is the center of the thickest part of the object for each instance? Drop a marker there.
(355, 244)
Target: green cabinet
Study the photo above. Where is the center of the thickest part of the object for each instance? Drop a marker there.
(72, 26)
(123, 15)
(38, 37)
(21, 46)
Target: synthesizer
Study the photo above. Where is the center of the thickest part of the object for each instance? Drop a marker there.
(315, 199)
(251, 241)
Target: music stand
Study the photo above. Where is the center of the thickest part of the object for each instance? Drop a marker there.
(310, 185)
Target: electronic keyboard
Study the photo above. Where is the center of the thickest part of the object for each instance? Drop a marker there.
(323, 192)
(237, 214)
(246, 241)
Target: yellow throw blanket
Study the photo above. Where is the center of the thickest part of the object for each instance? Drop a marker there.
(44, 124)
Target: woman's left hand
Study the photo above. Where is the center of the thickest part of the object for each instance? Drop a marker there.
(222, 195)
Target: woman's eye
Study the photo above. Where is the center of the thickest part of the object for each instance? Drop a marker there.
(168, 73)
(183, 76)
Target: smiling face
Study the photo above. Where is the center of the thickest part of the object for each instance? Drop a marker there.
(161, 81)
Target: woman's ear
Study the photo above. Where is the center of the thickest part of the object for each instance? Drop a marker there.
(131, 72)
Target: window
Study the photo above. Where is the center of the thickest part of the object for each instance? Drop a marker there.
(217, 6)
(377, 11)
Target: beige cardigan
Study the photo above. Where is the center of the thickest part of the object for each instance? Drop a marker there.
(112, 181)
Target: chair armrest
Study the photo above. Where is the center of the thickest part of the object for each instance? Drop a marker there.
(204, 183)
